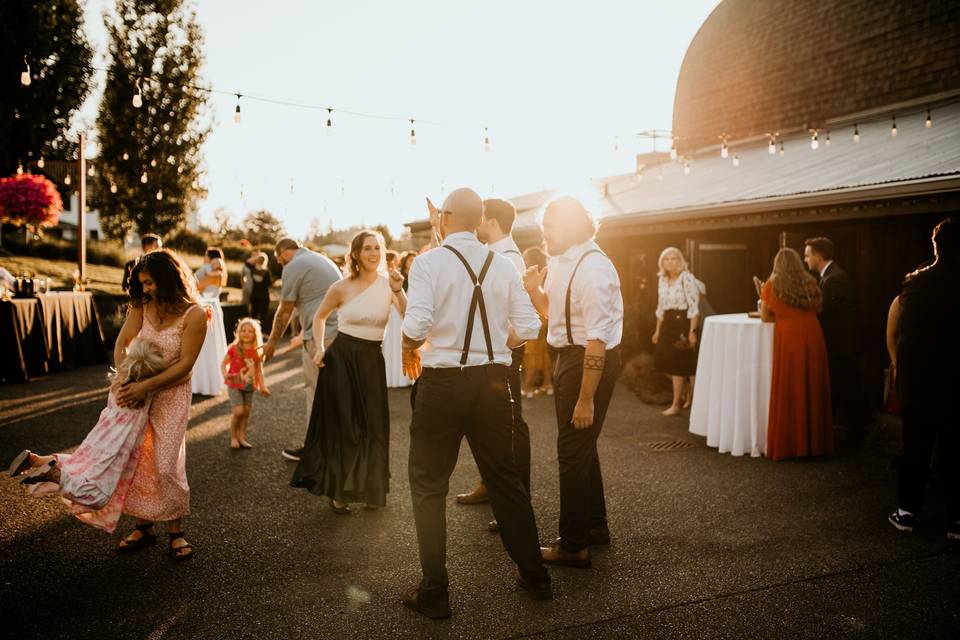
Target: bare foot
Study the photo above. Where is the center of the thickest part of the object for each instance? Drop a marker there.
(245, 444)
(672, 411)
(234, 443)
(687, 405)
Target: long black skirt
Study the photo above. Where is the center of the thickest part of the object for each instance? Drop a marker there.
(346, 453)
(672, 355)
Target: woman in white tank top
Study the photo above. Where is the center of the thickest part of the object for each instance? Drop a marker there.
(346, 454)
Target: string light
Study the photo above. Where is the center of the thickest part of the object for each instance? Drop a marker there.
(67, 180)
(236, 112)
(782, 151)
(724, 152)
(91, 171)
(25, 74)
(153, 162)
(126, 156)
(113, 187)
(413, 133)
(771, 146)
(856, 132)
(159, 194)
(138, 96)
(686, 167)
(929, 121)
(736, 159)
(616, 143)
(486, 139)
(40, 162)
(827, 141)
(673, 149)
(893, 128)
(143, 178)
(329, 122)
(814, 141)
(19, 168)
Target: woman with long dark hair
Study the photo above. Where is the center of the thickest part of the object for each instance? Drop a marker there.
(800, 423)
(345, 456)
(164, 310)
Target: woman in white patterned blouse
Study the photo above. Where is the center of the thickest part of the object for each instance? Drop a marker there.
(678, 314)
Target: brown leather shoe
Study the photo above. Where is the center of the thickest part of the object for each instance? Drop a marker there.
(493, 526)
(555, 555)
(411, 600)
(477, 496)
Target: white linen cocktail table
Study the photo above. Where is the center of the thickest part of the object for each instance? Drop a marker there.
(731, 401)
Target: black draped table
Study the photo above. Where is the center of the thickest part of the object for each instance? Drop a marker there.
(48, 333)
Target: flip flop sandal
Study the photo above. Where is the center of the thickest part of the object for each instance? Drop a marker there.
(19, 464)
(175, 553)
(145, 540)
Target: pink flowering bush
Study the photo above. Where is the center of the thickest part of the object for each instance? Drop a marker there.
(31, 200)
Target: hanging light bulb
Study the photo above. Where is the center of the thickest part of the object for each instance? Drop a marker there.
(893, 128)
(673, 149)
(486, 139)
(856, 132)
(724, 152)
(814, 141)
(827, 140)
(91, 171)
(153, 162)
(159, 194)
(138, 96)
(771, 146)
(616, 143)
(413, 133)
(929, 121)
(126, 156)
(329, 122)
(67, 180)
(143, 178)
(40, 162)
(19, 168)
(113, 187)
(686, 167)
(236, 112)
(25, 74)
(736, 159)
(782, 151)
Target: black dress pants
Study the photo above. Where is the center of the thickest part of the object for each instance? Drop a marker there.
(582, 504)
(922, 429)
(846, 393)
(448, 405)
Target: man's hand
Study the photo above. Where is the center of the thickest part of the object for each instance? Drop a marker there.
(268, 350)
(411, 363)
(434, 215)
(532, 278)
(583, 414)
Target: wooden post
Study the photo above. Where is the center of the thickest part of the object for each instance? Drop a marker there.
(82, 212)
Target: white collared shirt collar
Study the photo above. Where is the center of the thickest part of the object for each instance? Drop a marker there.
(508, 249)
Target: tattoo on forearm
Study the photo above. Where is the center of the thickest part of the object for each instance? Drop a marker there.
(593, 362)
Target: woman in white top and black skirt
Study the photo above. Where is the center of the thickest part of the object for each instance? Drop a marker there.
(346, 454)
(678, 315)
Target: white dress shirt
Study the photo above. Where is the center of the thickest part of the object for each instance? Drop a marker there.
(506, 247)
(596, 306)
(438, 302)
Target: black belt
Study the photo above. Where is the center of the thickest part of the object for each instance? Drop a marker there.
(453, 372)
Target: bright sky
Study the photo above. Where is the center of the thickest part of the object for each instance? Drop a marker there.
(557, 84)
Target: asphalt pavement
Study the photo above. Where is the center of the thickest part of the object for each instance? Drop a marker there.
(704, 545)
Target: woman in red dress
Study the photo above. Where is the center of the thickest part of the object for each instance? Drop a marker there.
(800, 423)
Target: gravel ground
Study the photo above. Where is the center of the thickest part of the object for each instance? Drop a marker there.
(704, 545)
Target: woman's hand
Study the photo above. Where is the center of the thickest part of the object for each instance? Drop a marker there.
(656, 337)
(318, 355)
(692, 339)
(132, 395)
(531, 278)
(396, 281)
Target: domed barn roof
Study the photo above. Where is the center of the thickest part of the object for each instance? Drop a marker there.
(763, 66)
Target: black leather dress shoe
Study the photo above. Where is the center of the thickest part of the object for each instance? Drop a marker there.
(411, 600)
(599, 537)
(538, 590)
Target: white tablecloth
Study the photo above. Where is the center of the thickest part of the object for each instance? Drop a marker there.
(206, 378)
(731, 401)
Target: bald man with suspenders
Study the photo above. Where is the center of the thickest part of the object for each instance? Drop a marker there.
(466, 308)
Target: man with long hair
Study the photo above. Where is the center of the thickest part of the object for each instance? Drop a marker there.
(928, 351)
(584, 309)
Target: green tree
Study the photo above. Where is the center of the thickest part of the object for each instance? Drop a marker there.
(156, 48)
(262, 227)
(34, 119)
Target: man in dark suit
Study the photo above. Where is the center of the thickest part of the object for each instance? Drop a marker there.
(838, 321)
(927, 353)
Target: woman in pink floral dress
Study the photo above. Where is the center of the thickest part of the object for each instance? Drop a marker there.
(163, 309)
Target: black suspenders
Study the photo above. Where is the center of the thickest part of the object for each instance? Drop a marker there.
(566, 309)
(475, 302)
